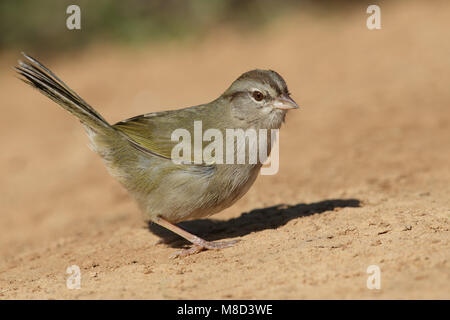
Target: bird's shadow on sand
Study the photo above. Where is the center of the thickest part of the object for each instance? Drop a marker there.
(253, 221)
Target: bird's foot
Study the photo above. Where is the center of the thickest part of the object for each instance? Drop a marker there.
(203, 245)
(198, 243)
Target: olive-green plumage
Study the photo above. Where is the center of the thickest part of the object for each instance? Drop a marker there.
(137, 151)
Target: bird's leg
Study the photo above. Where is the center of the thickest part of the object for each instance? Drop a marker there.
(198, 243)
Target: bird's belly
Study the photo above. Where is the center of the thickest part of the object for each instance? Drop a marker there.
(197, 191)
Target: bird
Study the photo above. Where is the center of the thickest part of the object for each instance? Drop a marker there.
(138, 151)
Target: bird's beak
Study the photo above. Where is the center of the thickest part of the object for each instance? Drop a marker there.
(285, 102)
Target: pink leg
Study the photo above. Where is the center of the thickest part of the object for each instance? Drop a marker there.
(198, 243)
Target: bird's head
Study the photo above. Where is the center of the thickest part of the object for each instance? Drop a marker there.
(261, 98)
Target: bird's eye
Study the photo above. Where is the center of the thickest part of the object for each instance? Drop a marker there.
(257, 95)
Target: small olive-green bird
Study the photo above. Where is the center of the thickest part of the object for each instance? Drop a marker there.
(137, 151)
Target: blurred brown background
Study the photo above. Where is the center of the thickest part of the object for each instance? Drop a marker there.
(364, 175)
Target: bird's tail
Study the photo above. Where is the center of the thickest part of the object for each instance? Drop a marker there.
(38, 76)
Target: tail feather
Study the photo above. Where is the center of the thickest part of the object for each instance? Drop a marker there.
(38, 76)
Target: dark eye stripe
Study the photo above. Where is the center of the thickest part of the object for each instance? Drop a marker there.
(258, 79)
(274, 86)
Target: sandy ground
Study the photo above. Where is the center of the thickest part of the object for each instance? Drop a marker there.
(364, 175)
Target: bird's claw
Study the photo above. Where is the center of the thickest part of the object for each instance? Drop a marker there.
(206, 245)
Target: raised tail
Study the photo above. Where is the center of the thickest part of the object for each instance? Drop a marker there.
(38, 76)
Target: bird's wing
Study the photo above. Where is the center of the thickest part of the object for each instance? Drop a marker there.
(153, 131)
